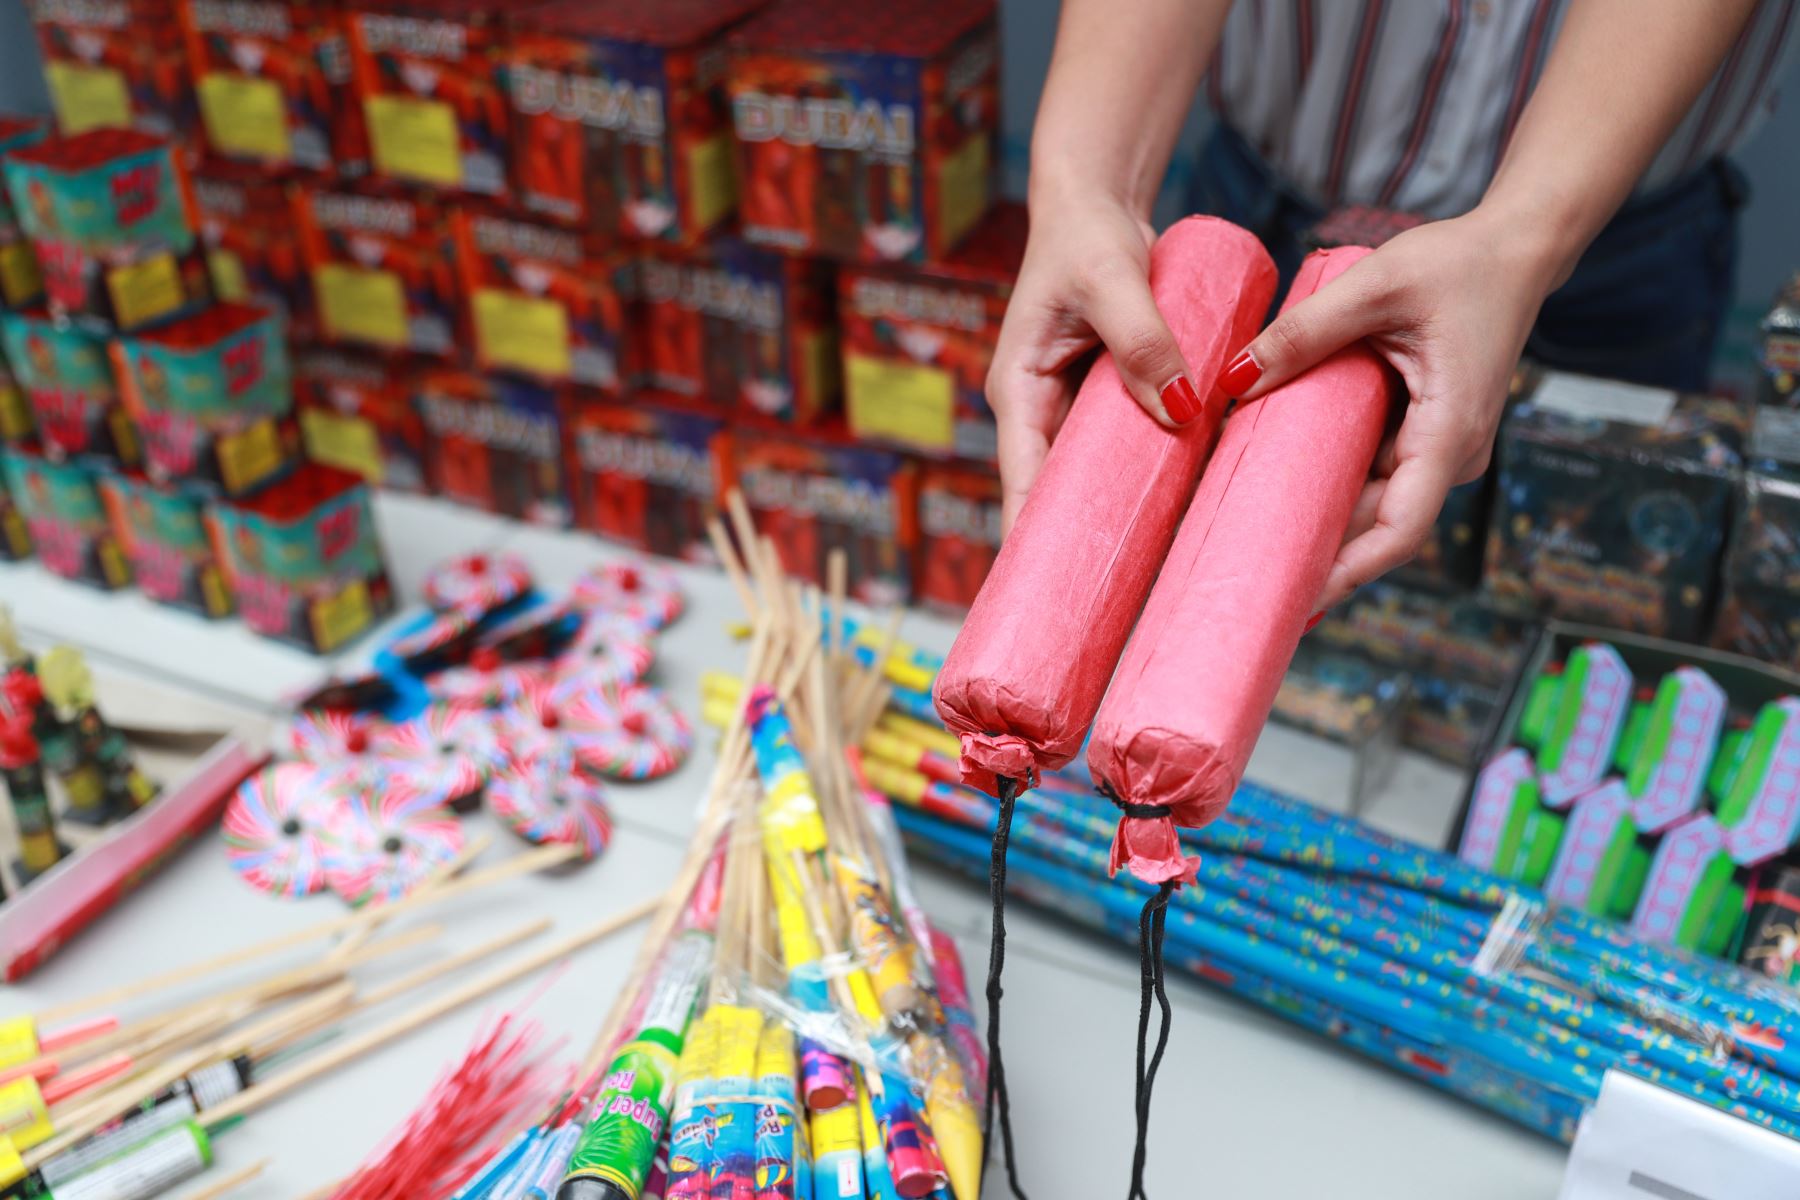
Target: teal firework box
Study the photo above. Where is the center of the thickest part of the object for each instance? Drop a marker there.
(1574, 718)
(65, 519)
(1692, 897)
(1601, 865)
(1506, 830)
(1759, 809)
(68, 388)
(165, 537)
(1673, 751)
(21, 282)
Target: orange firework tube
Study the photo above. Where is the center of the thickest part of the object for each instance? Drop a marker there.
(1026, 675)
(1196, 686)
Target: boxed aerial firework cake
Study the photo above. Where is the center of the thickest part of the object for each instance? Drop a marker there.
(545, 302)
(428, 75)
(303, 560)
(1759, 601)
(166, 538)
(1450, 556)
(16, 421)
(68, 386)
(115, 64)
(64, 518)
(382, 270)
(111, 216)
(21, 281)
(272, 82)
(813, 494)
(865, 132)
(620, 123)
(252, 253)
(357, 414)
(646, 474)
(1612, 503)
(209, 393)
(739, 328)
(918, 341)
(15, 539)
(495, 443)
(959, 534)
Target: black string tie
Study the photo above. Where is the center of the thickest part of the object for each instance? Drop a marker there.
(1151, 923)
(997, 1099)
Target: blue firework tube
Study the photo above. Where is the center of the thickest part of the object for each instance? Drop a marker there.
(690, 1117)
(733, 1175)
(877, 1182)
(482, 1184)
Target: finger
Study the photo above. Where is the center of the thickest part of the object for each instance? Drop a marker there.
(1408, 506)
(1314, 329)
(1362, 517)
(1125, 316)
(1028, 410)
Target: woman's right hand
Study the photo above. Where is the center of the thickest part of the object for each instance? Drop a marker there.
(1085, 281)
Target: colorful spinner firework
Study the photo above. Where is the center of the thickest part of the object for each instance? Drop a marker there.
(634, 731)
(544, 803)
(477, 583)
(641, 592)
(394, 838)
(609, 650)
(281, 826)
(327, 736)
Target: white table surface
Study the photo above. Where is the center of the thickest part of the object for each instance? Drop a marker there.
(1246, 1105)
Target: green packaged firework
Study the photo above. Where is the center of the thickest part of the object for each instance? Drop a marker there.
(1759, 809)
(1574, 718)
(1502, 813)
(1672, 754)
(1692, 897)
(1601, 865)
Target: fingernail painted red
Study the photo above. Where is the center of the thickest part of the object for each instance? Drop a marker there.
(1240, 375)
(1312, 622)
(1180, 401)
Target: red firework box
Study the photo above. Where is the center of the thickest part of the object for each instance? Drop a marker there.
(68, 384)
(252, 255)
(865, 132)
(816, 493)
(303, 559)
(272, 81)
(918, 341)
(619, 117)
(356, 414)
(741, 328)
(495, 443)
(428, 75)
(166, 538)
(646, 474)
(959, 534)
(115, 64)
(381, 267)
(112, 218)
(542, 301)
(21, 282)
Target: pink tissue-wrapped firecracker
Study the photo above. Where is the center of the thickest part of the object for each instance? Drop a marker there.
(1196, 684)
(1028, 671)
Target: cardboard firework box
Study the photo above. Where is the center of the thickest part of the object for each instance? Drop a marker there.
(115, 64)
(814, 494)
(646, 475)
(1612, 503)
(64, 518)
(209, 394)
(303, 559)
(495, 443)
(380, 261)
(356, 414)
(1759, 602)
(165, 537)
(1450, 557)
(427, 73)
(741, 329)
(69, 388)
(620, 123)
(272, 78)
(15, 538)
(16, 421)
(918, 341)
(545, 302)
(252, 253)
(21, 280)
(959, 534)
(865, 132)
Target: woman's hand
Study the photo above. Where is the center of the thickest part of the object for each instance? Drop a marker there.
(1449, 305)
(1085, 280)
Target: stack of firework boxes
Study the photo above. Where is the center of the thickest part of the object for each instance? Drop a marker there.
(591, 264)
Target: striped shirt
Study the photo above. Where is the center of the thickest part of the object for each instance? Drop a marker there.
(1408, 104)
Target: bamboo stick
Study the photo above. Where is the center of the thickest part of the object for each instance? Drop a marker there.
(231, 1182)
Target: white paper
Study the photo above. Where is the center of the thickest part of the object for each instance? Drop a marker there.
(1604, 399)
(1777, 434)
(1642, 1142)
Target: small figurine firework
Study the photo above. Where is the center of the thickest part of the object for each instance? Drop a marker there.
(100, 764)
(477, 584)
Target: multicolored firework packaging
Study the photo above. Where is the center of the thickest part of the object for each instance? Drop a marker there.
(918, 341)
(356, 414)
(1759, 808)
(65, 519)
(272, 78)
(1601, 865)
(1459, 636)
(742, 328)
(494, 443)
(865, 132)
(303, 558)
(15, 538)
(783, 1167)
(1612, 503)
(168, 543)
(381, 268)
(812, 495)
(1692, 897)
(1673, 753)
(21, 282)
(1759, 606)
(542, 301)
(1502, 805)
(619, 118)
(112, 218)
(427, 73)
(1772, 930)
(646, 476)
(959, 534)
(115, 64)
(67, 384)
(1573, 719)
(252, 255)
